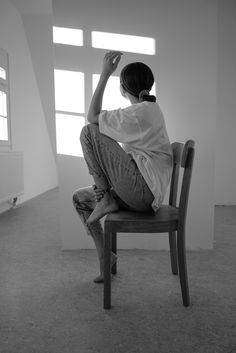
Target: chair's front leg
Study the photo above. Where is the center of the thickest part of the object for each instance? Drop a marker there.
(114, 250)
(107, 269)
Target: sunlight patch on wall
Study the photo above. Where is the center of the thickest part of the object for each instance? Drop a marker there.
(68, 36)
(123, 42)
(112, 98)
(68, 129)
(69, 91)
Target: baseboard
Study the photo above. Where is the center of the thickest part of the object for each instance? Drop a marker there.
(225, 205)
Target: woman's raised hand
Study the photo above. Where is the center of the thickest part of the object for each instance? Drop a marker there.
(111, 61)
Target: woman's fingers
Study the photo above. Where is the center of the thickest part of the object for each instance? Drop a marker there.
(116, 61)
(113, 53)
(99, 193)
(113, 56)
(110, 62)
(98, 198)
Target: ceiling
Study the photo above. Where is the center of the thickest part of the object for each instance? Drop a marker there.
(33, 6)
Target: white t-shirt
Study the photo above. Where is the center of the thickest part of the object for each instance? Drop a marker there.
(142, 131)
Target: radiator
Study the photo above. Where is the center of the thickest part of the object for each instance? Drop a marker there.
(11, 175)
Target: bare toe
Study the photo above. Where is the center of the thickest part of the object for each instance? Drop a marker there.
(101, 210)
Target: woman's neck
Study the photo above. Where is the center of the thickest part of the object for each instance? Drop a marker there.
(132, 99)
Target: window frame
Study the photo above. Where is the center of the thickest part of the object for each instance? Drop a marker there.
(5, 87)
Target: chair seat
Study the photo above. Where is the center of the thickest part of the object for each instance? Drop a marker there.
(164, 220)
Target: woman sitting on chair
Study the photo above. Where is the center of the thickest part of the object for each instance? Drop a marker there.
(132, 177)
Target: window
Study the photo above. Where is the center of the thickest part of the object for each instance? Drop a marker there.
(68, 128)
(3, 116)
(2, 73)
(69, 91)
(69, 103)
(4, 100)
(70, 87)
(123, 42)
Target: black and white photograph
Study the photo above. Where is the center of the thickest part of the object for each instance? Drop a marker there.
(117, 176)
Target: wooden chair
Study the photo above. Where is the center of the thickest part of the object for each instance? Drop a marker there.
(168, 219)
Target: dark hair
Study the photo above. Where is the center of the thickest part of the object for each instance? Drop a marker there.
(137, 79)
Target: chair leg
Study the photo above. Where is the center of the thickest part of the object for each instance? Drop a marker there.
(173, 252)
(114, 250)
(107, 270)
(183, 267)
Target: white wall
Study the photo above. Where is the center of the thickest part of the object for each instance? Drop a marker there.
(185, 70)
(29, 129)
(225, 166)
(38, 29)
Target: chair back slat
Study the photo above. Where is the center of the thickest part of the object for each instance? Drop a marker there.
(177, 149)
(187, 164)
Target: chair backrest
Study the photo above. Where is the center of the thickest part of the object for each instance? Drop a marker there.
(183, 155)
(177, 149)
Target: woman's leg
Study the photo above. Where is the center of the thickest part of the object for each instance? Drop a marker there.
(84, 203)
(106, 159)
(108, 162)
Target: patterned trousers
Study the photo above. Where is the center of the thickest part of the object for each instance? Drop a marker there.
(106, 158)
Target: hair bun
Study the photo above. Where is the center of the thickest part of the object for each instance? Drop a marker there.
(143, 93)
(151, 98)
(144, 96)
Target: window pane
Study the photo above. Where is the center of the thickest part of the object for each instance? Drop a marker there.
(112, 98)
(3, 129)
(2, 73)
(69, 36)
(69, 91)
(68, 128)
(128, 43)
(3, 103)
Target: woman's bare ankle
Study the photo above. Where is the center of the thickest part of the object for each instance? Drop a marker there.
(100, 278)
(108, 198)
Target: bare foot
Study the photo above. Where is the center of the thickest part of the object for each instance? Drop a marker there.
(107, 205)
(100, 278)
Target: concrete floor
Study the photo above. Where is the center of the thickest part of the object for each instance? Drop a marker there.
(49, 303)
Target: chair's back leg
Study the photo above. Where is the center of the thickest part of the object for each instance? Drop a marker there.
(173, 252)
